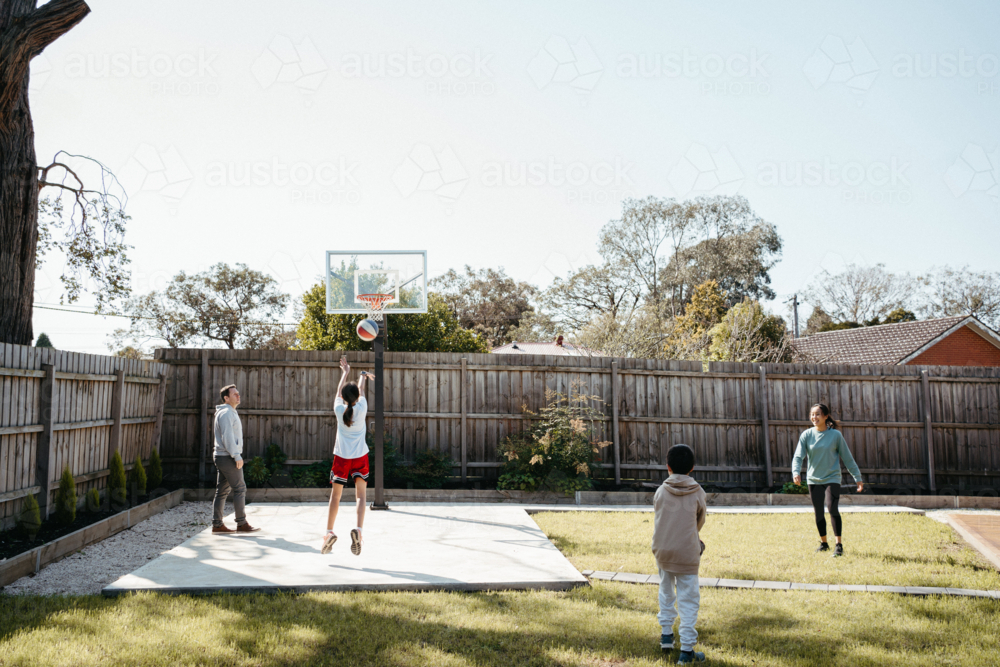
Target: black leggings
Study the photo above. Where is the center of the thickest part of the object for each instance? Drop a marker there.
(831, 493)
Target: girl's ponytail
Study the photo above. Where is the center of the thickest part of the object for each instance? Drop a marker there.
(350, 395)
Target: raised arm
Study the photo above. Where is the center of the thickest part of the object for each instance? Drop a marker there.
(345, 373)
(363, 382)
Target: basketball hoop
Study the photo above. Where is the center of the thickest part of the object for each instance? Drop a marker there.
(374, 303)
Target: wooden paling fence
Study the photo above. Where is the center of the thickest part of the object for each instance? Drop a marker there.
(65, 408)
(909, 427)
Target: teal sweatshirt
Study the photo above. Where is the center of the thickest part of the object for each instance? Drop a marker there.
(825, 451)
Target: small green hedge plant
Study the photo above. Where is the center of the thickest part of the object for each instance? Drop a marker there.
(154, 476)
(93, 503)
(559, 452)
(137, 478)
(66, 498)
(313, 475)
(792, 487)
(117, 482)
(256, 473)
(275, 458)
(30, 518)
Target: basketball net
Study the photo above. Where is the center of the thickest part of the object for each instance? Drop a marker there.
(374, 303)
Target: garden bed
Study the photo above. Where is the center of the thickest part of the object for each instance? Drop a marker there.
(40, 552)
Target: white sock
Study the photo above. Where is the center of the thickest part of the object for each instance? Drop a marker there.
(329, 531)
(358, 529)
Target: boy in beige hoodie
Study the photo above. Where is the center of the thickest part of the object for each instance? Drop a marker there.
(680, 509)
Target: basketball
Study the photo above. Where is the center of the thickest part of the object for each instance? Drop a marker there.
(367, 330)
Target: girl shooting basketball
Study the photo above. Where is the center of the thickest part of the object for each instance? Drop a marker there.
(350, 453)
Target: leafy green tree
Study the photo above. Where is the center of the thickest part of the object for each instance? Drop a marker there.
(487, 301)
(839, 326)
(747, 333)
(437, 330)
(66, 498)
(237, 306)
(899, 315)
(43, 341)
(690, 335)
(154, 476)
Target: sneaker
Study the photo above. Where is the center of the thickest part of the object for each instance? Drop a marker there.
(666, 642)
(328, 543)
(823, 546)
(690, 656)
(838, 550)
(355, 541)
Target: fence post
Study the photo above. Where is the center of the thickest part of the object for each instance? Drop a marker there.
(764, 427)
(928, 431)
(161, 392)
(117, 410)
(44, 456)
(464, 397)
(203, 418)
(614, 423)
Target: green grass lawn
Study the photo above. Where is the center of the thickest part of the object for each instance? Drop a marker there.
(884, 549)
(608, 624)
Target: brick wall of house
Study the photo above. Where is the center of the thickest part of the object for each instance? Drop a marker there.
(963, 348)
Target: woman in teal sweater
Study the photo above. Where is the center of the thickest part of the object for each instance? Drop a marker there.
(825, 448)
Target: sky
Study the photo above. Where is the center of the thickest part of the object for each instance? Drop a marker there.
(268, 133)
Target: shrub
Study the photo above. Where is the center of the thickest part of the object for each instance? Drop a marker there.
(66, 498)
(93, 503)
(429, 471)
(30, 519)
(792, 487)
(256, 473)
(558, 452)
(116, 481)
(274, 458)
(137, 477)
(154, 476)
(313, 475)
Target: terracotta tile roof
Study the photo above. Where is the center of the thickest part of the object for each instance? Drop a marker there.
(565, 350)
(886, 344)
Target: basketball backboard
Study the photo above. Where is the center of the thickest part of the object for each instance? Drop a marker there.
(401, 273)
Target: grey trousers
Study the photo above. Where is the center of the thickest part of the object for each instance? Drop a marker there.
(230, 479)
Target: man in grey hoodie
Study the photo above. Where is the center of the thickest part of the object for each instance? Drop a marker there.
(229, 461)
(679, 513)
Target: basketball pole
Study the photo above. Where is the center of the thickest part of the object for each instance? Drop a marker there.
(379, 348)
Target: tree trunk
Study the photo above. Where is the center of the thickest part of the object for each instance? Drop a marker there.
(24, 32)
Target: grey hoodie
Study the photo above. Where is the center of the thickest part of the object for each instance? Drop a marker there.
(228, 432)
(680, 509)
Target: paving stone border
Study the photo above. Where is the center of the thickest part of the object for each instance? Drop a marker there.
(703, 582)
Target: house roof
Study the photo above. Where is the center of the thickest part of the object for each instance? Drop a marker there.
(566, 349)
(887, 344)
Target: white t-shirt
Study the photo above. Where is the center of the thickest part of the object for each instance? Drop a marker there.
(351, 439)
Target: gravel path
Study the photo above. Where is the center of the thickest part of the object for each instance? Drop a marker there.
(89, 570)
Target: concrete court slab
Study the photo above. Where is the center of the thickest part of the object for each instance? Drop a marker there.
(412, 546)
(726, 509)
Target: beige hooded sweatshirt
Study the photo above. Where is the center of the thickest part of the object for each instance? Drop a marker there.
(680, 510)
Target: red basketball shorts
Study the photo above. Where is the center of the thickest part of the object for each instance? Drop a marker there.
(346, 469)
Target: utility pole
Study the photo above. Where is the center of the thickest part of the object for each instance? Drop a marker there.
(795, 311)
(795, 314)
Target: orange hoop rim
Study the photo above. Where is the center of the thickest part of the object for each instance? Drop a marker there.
(374, 303)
